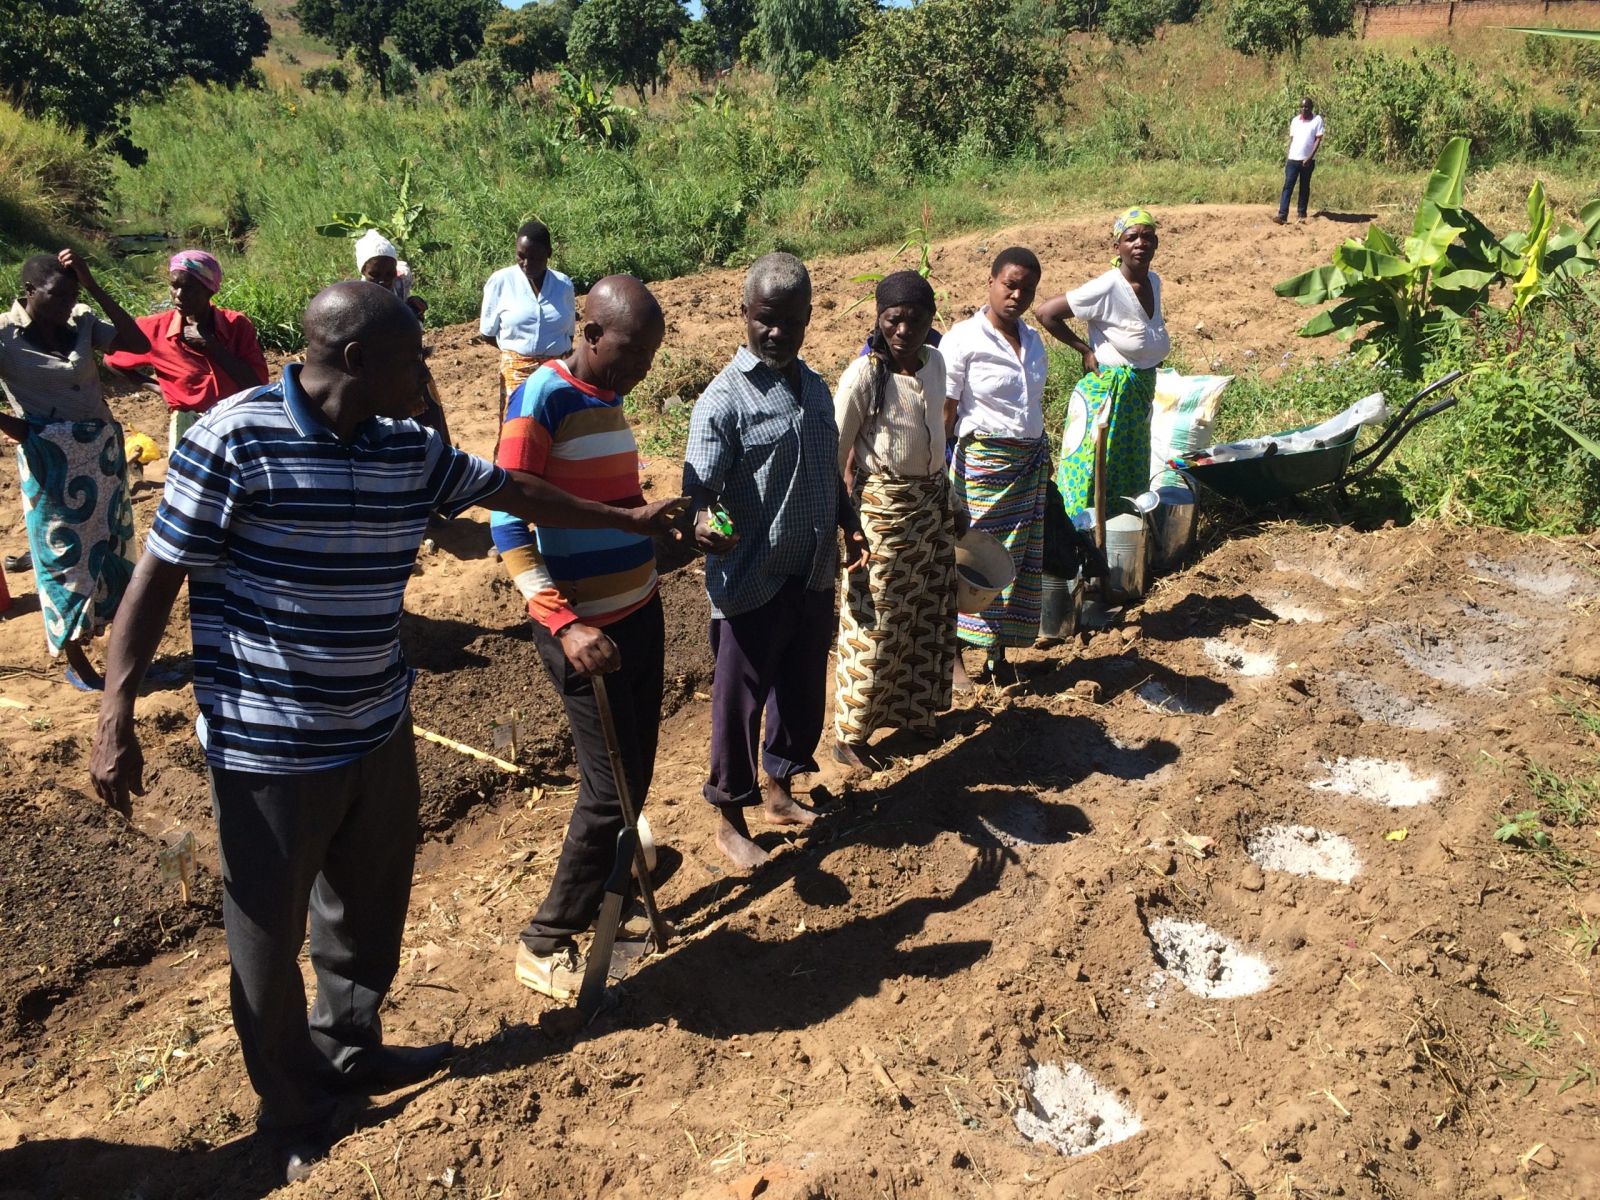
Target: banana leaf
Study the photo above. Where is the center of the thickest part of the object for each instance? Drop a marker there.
(1449, 174)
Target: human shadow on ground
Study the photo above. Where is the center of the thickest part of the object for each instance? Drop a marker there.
(1345, 218)
(245, 1168)
(461, 537)
(1130, 671)
(732, 971)
(1197, 616)
(442, 644)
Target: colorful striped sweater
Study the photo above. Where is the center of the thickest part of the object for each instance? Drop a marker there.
(574, 436)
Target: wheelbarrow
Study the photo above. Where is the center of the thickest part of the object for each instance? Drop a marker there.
(1277, 475)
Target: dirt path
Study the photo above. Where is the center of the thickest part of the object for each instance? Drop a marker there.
(859, 1019)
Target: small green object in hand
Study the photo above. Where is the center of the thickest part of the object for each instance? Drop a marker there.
(721, 523)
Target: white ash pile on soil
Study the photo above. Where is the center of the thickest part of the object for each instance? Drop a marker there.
(1304, 850)
(1378, 780)
(1249, 663)
(1206, 962)
(1071, 1113)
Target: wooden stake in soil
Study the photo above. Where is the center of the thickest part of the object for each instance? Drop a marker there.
(462, 748)
(177, 864)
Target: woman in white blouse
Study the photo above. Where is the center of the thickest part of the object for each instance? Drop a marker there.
(897, 636)
(529, 311)
(995, 367)
(1121, 310)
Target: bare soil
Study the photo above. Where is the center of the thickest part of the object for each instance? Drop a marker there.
(858, 1018)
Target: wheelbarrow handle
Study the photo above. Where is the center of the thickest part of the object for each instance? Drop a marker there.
(1393, 429)
(1392, 438)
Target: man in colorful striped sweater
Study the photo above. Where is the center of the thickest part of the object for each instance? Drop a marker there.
(593, 596)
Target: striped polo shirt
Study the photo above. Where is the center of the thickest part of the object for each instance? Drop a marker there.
(576, 437)
(298, 548)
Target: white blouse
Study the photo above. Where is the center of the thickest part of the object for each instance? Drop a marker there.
(997, 392)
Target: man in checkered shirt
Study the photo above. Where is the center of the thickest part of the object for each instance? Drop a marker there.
(763, 445)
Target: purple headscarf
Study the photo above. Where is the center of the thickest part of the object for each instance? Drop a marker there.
(201, 265)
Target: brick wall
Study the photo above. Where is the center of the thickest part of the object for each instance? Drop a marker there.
(1430, 16)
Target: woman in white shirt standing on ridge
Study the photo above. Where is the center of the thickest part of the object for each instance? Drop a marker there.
(529, 311)
(1127, 341)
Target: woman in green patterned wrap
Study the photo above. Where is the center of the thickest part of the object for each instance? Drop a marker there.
(1127, 341)
(70, 452)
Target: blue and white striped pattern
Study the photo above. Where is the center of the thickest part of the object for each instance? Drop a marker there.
(299, 547)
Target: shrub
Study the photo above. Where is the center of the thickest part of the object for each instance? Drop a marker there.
(522, 41)
(909, 64)
(795, 35)
(1269, 27)
(1400, 108)
(331, 78)
(1551, 129)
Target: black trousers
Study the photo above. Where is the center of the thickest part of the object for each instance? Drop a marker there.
(634, 690)
(339, 846)
(772, 659)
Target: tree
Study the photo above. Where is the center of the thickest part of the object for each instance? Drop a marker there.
(912, 62)
(437, 34)
(798, 34)
(731, 19)
(85, 62)
(698, 50)
(359, 27)
(623, 39)
(1131, 22)
(532, 38)
(210, 41)
(1269, 27)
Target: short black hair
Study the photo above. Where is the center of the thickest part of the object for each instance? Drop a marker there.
(1016, 256)
(536, 232)
(40, 269)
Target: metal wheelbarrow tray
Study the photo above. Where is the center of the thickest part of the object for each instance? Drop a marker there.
(1277, 476)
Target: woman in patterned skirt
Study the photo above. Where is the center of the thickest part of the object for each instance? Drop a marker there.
(1127, 341)
(995, 369)
(897, 633)
(70, 453)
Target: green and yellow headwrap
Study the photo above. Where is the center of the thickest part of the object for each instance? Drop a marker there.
(1125, 222)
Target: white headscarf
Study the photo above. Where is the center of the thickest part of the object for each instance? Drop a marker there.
(373, 244)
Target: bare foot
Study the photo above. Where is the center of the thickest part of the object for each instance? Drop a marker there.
(778, 806)
(960, 682)
(733, 839)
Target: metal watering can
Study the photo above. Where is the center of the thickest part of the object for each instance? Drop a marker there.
(1153, 538)
(1171, 511)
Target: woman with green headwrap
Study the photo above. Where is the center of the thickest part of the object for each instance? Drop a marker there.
(1121, 310)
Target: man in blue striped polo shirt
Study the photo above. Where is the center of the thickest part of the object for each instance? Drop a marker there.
(296, 512)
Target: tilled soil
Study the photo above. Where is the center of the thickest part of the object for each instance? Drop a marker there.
(859, 1017)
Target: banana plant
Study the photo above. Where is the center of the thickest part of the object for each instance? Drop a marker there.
(1391, 299)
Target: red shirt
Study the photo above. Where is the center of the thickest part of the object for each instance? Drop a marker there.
(190, 381)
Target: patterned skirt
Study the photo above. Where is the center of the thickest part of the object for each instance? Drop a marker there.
(80, 524)
(1131, 395)
(897, 629)
(514, 371)
(1002, 481)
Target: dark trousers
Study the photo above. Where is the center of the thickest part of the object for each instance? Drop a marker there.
(1294, 169)
(774, 657)
(634, 690)
(338, 845)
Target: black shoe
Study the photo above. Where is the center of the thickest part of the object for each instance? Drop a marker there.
(390, 1068)
(1277, 220)
(18, 564)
